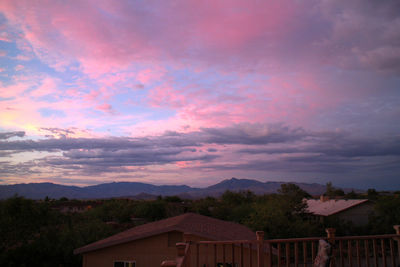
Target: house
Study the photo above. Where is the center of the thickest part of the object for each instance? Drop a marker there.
(74, 206)
(150, 244)
(356, 211)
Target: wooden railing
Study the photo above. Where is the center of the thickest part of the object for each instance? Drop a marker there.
(369, 251)
(378, 250)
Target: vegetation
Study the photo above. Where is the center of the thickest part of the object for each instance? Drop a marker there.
(43, 233)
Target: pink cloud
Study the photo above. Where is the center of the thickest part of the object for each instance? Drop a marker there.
(93, 95)
(383, 58)
(148, 75)
(4, 37)
(22, 57)
(106, 108)
(114, 44)
(235, 35)
(48, 86)
(166, 96)
(286, 42)
(14, 90)
(19, 67)
(24, 113)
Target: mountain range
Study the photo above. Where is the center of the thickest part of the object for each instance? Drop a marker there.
(143, 190)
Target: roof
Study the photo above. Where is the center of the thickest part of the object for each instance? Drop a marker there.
(330, 207)
(199, 225)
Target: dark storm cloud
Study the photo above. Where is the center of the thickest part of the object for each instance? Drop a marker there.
(311, 165)
(66, 144)
(246, 134)
(116, 161)
(340, 145)
(7, 135)
(5, 154)
(130, 157)
(252, 134)
(286, 149)
(26, 168)
(62, 133)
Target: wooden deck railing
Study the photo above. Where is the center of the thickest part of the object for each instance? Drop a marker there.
(369, 251)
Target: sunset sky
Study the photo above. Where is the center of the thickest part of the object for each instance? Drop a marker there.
(194, 92)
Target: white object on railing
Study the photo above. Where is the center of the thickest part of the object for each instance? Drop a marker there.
(324, 254)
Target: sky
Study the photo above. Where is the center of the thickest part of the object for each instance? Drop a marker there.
(195, 92)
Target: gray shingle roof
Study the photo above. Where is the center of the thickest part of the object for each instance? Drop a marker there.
(330, 207)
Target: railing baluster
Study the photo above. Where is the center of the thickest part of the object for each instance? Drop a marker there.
(207, 252)
(312, 250)
(233, 254)
(223, 254)
(383, 247)
(279, 254)
(334, 252)
(198, 255)
(241, 255)
(215, 254)
(305, 254)
(392, 252)
(296, 254)
(287, 247)
(270, 254)
(341, 253)
(260, 248)
(375, 252)
(349, 253)
(358, 253)
(251, 254)
(366, 247)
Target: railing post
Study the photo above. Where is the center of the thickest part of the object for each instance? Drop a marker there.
(180, 249)
(330, 234)
(260, 248)
(397, 229)
(187, 237)
(183, 258)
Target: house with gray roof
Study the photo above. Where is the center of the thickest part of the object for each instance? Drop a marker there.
(356, 211)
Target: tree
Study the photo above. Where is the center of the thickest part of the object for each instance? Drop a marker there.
(387, 214)
(151, 210)
(332, 191)
(295, 196)
(293, 190)
(372, 194)
(281, 217)
(352, 195)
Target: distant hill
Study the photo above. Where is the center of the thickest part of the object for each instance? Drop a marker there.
(146, 191)
(108, 190)
(256, 187)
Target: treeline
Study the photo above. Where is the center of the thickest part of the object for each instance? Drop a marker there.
(43, 233)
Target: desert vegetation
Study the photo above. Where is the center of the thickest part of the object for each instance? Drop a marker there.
(43, 233)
